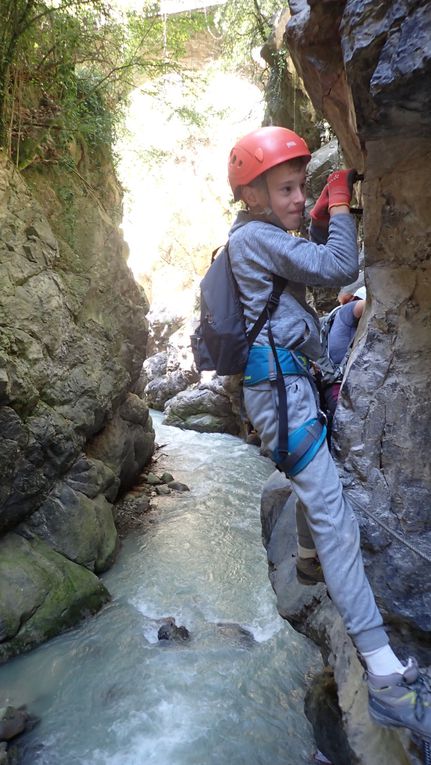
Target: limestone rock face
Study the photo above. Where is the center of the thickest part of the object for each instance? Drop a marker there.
(72, 431)
(69, 349)
(287, 101)
(163, 376)
(367, 67)
(312, 613)
(206, 408)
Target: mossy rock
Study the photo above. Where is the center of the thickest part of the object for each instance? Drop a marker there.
(42, 593)
(78, 527)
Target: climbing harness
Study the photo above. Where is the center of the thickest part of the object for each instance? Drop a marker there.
(261, 364)
(297, 448)
(427, 752)
(303, 443)
(294, 453)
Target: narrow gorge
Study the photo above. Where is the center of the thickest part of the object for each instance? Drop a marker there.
(81, 363)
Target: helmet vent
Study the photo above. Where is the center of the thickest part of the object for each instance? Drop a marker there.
(259, 154)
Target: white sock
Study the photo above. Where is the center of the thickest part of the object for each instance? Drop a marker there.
(307, 552)
(383, 661)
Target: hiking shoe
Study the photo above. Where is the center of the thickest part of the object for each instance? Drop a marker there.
(402, 701)
(309, 571)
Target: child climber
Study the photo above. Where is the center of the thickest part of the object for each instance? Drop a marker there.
(267, 171)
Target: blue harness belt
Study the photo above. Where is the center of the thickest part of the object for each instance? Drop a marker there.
(296, 449)
(303, 443)
(261, 364)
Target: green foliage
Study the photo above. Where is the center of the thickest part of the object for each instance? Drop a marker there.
(243, 26)
(89, 114)
(67, 66)
(162, 40)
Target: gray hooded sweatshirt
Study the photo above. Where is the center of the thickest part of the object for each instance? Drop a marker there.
(259, 249)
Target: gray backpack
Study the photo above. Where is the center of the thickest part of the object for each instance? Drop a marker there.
(220, 342)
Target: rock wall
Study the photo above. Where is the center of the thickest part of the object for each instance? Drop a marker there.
(287, 101)
(342, 727)
(367, 68)
(73, 433)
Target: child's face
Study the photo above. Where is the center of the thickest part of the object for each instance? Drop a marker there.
(286, 191)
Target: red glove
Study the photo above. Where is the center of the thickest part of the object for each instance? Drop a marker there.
(340, 187)
(319, 214)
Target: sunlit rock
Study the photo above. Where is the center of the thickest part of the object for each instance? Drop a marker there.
(206, 408)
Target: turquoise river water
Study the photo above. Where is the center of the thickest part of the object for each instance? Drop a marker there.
(109, 693)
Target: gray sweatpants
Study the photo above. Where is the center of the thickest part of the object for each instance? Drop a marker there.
(329, 515)
(302, 529)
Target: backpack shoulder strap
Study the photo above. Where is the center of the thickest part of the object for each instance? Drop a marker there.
(278, 285)
(217, 250)
(326, 323)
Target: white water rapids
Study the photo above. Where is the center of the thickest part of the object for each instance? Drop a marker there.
(109, 693)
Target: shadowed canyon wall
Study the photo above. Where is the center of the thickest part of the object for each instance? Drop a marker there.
(73, 433)
(367, 67)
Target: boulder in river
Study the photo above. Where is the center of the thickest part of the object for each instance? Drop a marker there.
(170, 631)
(236, 633)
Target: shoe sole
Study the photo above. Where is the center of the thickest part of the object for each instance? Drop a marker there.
(307, 580)
(389, 722)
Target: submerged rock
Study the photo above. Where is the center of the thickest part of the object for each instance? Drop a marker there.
(170, 631)
(13, 721)
(236, 633)
(178, 486)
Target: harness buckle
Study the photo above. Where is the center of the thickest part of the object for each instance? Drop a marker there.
(321, 416)
(274, 300)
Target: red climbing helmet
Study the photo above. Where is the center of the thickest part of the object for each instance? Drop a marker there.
(259, 151)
